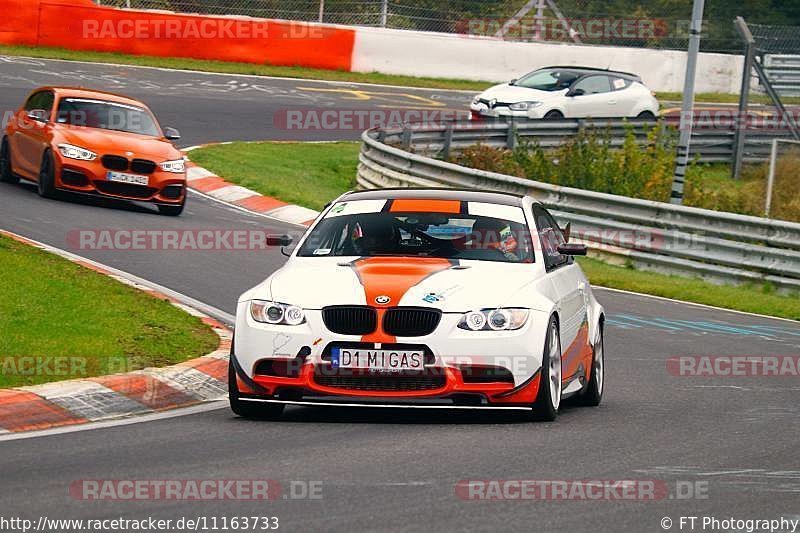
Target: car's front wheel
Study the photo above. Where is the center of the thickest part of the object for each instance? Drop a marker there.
(554, 115)
(548, 399)
(646, 115)
(258, 410)
(46, 186)
(6, 174)
(593, 394)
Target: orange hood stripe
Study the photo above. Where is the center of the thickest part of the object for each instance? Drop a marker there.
(393, 277)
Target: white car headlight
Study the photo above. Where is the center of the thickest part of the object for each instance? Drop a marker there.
(524, 106)
(71, 151)
(276, 313)
(177, 166)
(476, 100)
(501, 319)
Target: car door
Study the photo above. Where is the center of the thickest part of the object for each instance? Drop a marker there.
(625, 98)
(570, 288)
(592, 97)
(32, 136)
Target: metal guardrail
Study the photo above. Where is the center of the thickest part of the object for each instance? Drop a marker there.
(713, 137)
(783, 72)
(723, 247)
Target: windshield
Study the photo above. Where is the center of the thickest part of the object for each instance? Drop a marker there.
(107, 116)
(450, 236)
(548, 80)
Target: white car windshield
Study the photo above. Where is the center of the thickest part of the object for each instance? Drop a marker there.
(548, 80)
(106, 115)
(450, 236)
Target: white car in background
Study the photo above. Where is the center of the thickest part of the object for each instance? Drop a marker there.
(568, 92)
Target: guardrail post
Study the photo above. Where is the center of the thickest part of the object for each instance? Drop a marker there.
(511, 137)
(406, 136)
(448, 141)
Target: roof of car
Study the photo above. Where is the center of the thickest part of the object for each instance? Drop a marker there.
(490, 197)
(80, 92)
(592, 70)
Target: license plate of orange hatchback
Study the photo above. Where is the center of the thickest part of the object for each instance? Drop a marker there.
(378, 359)
(122, 177)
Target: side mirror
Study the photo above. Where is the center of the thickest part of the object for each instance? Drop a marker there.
(279, 240)
(512, 82)
(39, 115)
(171, 134)
(573, 249)
(576, 92)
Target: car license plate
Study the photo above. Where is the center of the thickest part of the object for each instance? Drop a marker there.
(122, 177)
(385, 360)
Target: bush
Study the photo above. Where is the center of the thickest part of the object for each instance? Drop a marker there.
(588, 161)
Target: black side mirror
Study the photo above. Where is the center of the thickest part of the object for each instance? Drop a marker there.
(576, 92)
(279, 240)
(171, 134)
(512, 82)
(573, 249)
(39, 115)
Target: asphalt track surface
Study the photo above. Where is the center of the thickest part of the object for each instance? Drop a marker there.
(733, 439)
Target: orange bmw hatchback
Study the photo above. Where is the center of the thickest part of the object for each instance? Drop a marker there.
(94, 143)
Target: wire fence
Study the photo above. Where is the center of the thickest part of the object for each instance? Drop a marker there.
(776, 39)
(662, 25)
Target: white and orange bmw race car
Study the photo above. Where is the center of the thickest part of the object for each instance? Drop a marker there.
(422, 297)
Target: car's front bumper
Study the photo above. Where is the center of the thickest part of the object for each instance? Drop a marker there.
(293, 363)
(481, 111)
(90, 177)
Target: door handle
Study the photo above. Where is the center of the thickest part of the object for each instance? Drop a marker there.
(612, 102)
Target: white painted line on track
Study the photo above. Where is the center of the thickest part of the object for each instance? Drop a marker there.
(152, 417)
(245, 210)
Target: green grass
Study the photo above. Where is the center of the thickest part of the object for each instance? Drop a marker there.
(307, 174)
(750, 298)
(51, 308)
(242, 68)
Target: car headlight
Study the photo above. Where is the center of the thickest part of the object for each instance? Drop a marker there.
(501, 319)
(524, 106)
(476, 100)
(178, 166)
(276, 313)
(71, 151)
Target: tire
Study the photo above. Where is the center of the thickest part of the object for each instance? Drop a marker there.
(646, 115)
(554, 115)
(255, 410)
(46, 185)
(171, 210)
(548, 399)
(6, 174)
(593, 395)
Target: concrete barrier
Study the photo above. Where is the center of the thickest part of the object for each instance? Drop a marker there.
(480, 58)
